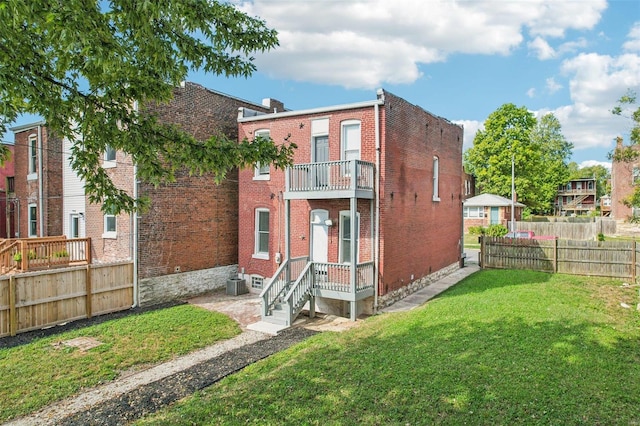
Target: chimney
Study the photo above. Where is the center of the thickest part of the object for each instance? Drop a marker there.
(274, 105)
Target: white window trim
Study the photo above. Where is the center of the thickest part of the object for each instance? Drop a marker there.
(29, 220)
(436, 178)
(257, 175)
(343, 216)
(343, 138)
(32, 165)
(110, 235)
(256, 237)
(108, 163)
(477, 210)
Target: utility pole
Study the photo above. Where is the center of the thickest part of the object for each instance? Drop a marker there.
(513, 193)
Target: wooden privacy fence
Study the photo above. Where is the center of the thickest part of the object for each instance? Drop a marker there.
(570, 230)
(35, 300)
(615, 259)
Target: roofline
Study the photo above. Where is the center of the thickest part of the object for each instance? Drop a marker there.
(226, 95)
(28, 126)
(320, 110)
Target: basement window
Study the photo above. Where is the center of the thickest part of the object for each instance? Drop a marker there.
(257, 283)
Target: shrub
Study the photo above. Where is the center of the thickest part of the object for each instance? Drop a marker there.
(476, 230)
(600, 237)
(61, 253)
(497, 230)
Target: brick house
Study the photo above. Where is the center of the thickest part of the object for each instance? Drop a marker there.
(7, 195)
(576, 198)
(370, 211)
(624, 178)
(37, 196)
(489, 209)
(187, 243)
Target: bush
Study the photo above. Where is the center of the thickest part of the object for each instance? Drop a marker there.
(476, 230)
(600, 237)
(496, 230)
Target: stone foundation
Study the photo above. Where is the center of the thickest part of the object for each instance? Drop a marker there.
(391, 298)
(176, 287)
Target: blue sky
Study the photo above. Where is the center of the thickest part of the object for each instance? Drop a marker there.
(457, 59)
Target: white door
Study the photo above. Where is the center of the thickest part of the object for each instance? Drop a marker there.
(319, 236)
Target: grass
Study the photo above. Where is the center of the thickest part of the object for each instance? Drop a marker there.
(471, 241)
(502, 347)
(41, 372)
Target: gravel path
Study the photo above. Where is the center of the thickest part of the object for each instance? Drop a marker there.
(145, 392)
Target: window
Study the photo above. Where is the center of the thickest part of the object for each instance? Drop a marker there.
(109, 157)
(262, 234)
(110, 225)
(257, 283)
(33, 156)
(33, 220)
(346, 234)
(74, 226)
(636, 175)
(350, 140)
(262, 171)
(436, 172)
(473, 212)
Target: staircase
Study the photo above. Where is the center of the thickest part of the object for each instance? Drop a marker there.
(576, 202)
(288, 292)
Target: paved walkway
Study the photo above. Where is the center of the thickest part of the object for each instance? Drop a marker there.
(118, 398)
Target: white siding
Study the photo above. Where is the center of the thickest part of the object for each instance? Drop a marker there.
(73, 201)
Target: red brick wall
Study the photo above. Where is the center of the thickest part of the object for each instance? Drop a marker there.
(418, 236)
(27, 191)
(119, 246)
(192, 223)
(621, 186)
(268, 194)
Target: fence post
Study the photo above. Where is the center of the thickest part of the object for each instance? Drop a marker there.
(88, 249)
(482, 251)
(88, 300)
(24, 261)
(13, 317)
(633, 262)
(555, 255)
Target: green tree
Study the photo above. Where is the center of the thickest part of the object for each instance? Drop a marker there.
(555, 152)
(629, 108)
(88, 67)
(539, 151)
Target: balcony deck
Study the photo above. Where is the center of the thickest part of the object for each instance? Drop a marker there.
(331, 179)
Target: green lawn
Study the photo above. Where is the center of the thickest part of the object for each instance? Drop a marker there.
(471, 241)
(502, 347)
(43, 371)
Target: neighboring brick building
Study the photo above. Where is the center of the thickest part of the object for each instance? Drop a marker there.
(624, 177)
(8, 202)
(576, 198)
(386, 168)
(37, 182)
(187, 243)
(489, 209)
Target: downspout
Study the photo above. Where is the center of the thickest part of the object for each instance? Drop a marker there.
(134, 229)
(40, 180)
(376, 244)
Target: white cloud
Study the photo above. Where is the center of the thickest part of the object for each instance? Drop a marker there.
(552, 86)
(633, 44)
(541, 49)
(590, 163)
(531, 92)
(365, 43)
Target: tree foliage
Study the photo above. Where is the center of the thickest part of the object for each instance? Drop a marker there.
(537, 147)
(88, 67)
(628, 107)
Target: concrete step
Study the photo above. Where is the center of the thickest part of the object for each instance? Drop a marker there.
(267, 327)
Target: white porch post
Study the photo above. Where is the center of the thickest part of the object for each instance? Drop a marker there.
(354, 254)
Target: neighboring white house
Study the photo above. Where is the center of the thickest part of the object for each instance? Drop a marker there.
(489, 209)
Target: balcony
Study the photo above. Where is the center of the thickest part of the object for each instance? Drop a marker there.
(577, 191)
(331, 179)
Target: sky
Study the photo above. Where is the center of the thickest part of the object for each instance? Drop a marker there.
(460, 60)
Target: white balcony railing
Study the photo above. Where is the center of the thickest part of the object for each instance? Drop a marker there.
(331, 176)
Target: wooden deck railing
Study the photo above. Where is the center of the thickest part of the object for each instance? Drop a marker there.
(32, 254)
